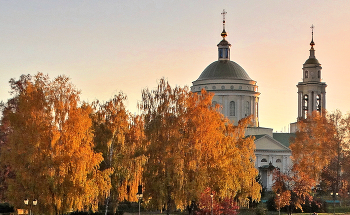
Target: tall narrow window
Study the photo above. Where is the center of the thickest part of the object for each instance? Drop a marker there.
(306, 74)
(232, 108)
(318, 103)
(305, 105)
(247, 108)
(319, 74)
(221, 53)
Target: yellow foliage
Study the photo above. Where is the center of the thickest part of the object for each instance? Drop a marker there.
(191, 146)
(49, 147)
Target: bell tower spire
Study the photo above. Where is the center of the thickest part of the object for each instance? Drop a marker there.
(312, 50)
(311, 91)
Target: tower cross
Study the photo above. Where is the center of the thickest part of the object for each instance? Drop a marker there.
(312, 37)
(223, 15)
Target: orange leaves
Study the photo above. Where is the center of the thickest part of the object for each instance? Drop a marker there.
(192, 146)
(118, 136)
(59, 166)
(314, 146)
(209, 202)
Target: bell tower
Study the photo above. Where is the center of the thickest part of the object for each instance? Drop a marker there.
(311, 91)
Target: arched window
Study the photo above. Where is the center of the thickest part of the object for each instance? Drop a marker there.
(305, 105)
(319, 74)
(247, 108)
(278, 161)
(263, 160)
(306, 74)
(232, 108)
(318, 103)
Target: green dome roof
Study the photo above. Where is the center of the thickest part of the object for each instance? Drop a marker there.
(311, 61)
(224, 69)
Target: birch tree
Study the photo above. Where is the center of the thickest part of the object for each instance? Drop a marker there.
(49, 147)
(192, 146)
(118, 135)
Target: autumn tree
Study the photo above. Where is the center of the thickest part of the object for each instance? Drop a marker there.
(117, 135)
(190, 146)
(292, 190)
(49, 147)
(314, 145)
(209, 202)
(320, 151)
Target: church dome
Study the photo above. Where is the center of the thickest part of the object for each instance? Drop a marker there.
(224, 69)
(311, 61)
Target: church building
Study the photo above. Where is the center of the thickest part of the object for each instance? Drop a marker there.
(238, 95)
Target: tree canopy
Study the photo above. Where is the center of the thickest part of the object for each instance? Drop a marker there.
(71, 155)
(49, 146)
(190, 146)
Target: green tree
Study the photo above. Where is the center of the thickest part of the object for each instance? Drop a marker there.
(49, 147)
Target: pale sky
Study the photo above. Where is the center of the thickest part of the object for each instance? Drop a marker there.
(111, 46)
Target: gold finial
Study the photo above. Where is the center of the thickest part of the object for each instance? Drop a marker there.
(312, 37)
(223, 34)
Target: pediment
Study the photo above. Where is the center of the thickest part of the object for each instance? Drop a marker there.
(267, 143)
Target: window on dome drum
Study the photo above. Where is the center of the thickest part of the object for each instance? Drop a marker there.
(305, 106)
(240, 87)
(263, 160)
(220, 53)
(226, 53)
(214, 88)
(247, 108)
(319, 74)
(232, 108)
(222, 87)
(306, 74)
(318, 103)
(278, 161)
(232, 87)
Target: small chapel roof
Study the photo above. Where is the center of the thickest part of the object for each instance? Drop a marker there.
(283, 138)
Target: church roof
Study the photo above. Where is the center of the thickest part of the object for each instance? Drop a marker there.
(224, 43)
(224, 69)
(283, 138)
(311, 61)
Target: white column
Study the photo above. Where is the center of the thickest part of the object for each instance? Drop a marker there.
(309, 103)
(300, 104)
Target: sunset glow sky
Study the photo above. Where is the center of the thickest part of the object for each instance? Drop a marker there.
(111, 46)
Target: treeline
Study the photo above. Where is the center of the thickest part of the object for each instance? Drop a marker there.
(73, 155)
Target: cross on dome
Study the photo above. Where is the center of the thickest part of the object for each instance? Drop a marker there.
(223, 34)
